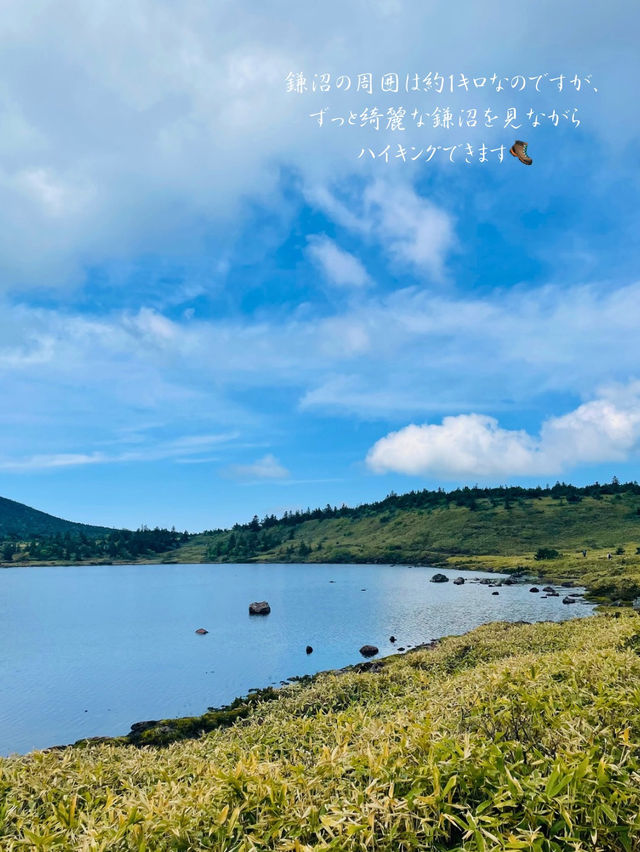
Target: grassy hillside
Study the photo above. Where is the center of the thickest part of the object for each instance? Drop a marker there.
(22, 522)
(398, 534)
(510, 737)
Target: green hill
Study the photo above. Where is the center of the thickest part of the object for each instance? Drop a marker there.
(430, 526)
(22, 522)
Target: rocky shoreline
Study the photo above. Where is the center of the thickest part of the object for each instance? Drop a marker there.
(163, 732)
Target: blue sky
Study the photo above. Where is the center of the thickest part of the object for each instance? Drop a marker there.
(210, 306)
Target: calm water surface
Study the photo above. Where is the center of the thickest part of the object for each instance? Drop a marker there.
(88, 650)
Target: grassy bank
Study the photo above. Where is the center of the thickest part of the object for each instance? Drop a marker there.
(510, 737)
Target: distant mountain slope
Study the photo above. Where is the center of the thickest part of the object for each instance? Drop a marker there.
(23, 522)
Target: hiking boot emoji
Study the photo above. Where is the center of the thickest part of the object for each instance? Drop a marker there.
(519, 150)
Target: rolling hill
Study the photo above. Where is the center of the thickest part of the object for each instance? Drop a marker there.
(22, 522)
(429, 525)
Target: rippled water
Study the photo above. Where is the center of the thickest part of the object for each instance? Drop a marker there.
(88, 650)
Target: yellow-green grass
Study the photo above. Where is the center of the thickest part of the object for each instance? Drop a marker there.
(510, 737)
(609, 576)
(419, 535)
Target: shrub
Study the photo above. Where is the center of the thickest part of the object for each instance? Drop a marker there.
(546, 553)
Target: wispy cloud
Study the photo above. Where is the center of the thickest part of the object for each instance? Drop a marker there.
(409, 228)
(339, 266)
(267, 467)
(408, 352)
(184, 449)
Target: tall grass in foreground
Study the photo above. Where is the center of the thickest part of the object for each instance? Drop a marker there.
(509, 737)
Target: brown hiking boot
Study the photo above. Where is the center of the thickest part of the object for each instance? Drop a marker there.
(519, 150)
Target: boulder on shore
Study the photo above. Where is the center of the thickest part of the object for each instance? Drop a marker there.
(259, 608)
(201, 631)
(368, 650)
(439, 578)
(459, 581)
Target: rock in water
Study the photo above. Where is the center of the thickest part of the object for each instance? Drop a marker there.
(309, 649)
(568, 600)
(368, 650)
(495, 593)
(439, 578)
(534, 589)
(459, 581)
(548, 589)
(259, 608)
(201, 631)
(392, 638)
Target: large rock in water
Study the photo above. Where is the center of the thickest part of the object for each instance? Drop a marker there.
(259, 608)
(459, 581)
(368, 650)
(439, 578)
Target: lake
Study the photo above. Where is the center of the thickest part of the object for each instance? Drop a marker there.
(88, 650)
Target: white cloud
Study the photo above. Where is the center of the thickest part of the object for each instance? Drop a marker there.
(339, 266)
(412, 229)
(408, 227)
(268, 467)
(605, 429)
(117, 141)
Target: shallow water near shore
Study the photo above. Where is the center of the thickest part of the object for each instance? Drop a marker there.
(88, 650)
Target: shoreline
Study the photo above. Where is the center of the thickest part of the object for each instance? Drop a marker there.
(521, 574)
(453, 729)
(163, 732)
